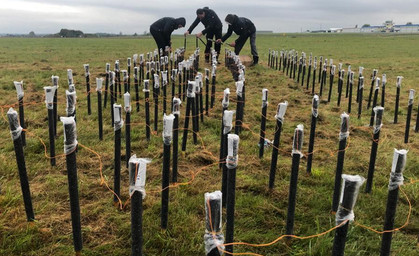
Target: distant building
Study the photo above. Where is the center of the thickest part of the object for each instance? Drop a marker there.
(264, 32)
(387, 27)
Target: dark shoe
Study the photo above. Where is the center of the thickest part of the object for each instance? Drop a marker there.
(255, 60)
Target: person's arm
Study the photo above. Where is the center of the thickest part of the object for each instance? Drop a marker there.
(169, 27)
(212, 17)
(193, 25)
(228, 34)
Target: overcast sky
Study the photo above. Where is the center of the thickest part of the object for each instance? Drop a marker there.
(135, 16)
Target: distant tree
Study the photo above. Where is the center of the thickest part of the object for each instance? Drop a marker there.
(120, 33)
(70, 33)
(32, 34)
(135, 34)
(366, 25)
(409, 23)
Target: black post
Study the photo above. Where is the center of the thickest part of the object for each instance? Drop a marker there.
(16, 131)
(282, 108)
(213, 81)
(20, 94)
(164, 85)
(263, 122)
(296, 155)
(347, 82)
(396, 179)
(373, 77)
(201, 98)
(55, 104)
(343, 136)
(314, 115)
(332, 75)
(314, 75)
(383, 89)
(225, 103)
(105, 101)
(351, 85)
(112, 96)
(396, 109)
(167, 140)
(377, 127)
(118, 75)
(137, 89)
(409, 115)
(99, 82)
(207, 74)
(49, 99)
(300, 66)
(70, 146)
(189, 109)
(128, 79)
(195, 113)
(231, 162)
(147, 108)
(320, 69)
(374, 103)
(310, 61)
(340, 85)
(304, 72)
(173, 80)
(137, 176)
(176, 113)
(87, 74)
(156, 89)
(417, 122)
(71, 103)
(117, 151)
(227, 127)
(349, 194)
(269, 58)
(239, 108)
(360, 92)
(323, 80)
(127, 108)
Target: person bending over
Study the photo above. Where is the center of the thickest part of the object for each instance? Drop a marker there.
(245, 29)
(162, 29)
(213, 27)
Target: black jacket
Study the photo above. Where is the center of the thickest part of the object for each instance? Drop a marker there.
(167, 25)
(210, 21)
(242, 27)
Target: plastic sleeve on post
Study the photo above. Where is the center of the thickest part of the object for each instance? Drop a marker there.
(129, 62)
(340, 66)
(156, 81)
(135, 58)
(377, 84)
(226, 98)
(190, 93)
(176, 106)
(108, 67)
(351, 77)
(174, 74)
(374, 73)
(384, 80)
(86, 69)
(378, 117)
(213, 237)
(99, 83)
(333, 70)
(207, 73)
(136, 69)
(348, 195)
(15, 128)
(19, 89)
(116, 65)
(264, 97)
(315, 106)
(411, 96)
(112, 77)
(137, 174)
(54, 80)
(344, 126)
(71, 102)
(239, 88)
(228, 121)
(297, 143)
(71, 88)
(232, 151)
(180, 67)
(214, 70)
(349, 69)
(146, 85)
(360, 71)
(168, 128)
(397, 168)
(127, 102)
(70, 134)
(280, 111)
(361, 82)
(117, 113)
(70, 76)
(124, 75)
(399, 81)
(141, 59)
(331, 63)
(197, 85)
(164, 78)
(49, 96)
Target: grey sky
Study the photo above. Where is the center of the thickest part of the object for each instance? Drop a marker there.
(135, 16)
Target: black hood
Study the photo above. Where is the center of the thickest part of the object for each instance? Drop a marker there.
(180, 21)
(231, 18)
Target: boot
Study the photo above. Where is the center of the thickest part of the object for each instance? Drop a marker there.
(255, 60)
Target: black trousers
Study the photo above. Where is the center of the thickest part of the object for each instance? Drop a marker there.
(240, 43)
(210, 34)
(159, 37)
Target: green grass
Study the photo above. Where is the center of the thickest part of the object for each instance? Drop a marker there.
(260, 213)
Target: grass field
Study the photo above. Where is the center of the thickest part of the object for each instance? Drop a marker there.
(260, 212)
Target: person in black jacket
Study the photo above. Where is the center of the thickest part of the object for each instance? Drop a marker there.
(162, 29)
(213, 27)
(245, 29)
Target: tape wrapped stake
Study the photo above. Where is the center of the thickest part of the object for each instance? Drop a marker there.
(15, 128)
(397, 168)
(19, 89)
(348, 195)
(137, 174)
(49, 96)
(214, 237)
(70, 134)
